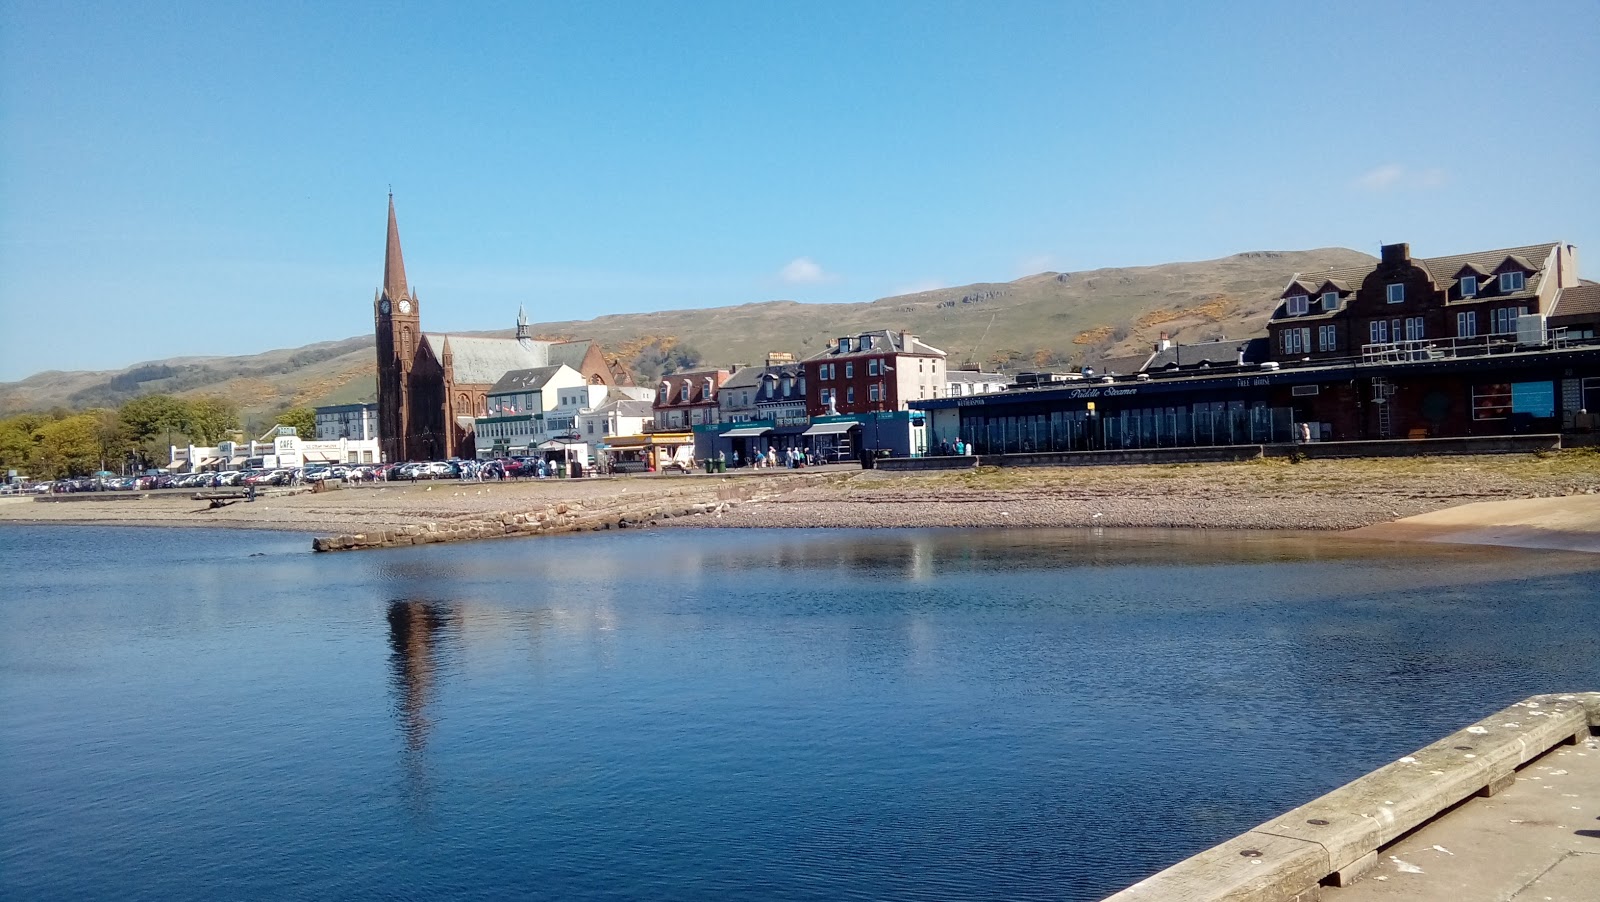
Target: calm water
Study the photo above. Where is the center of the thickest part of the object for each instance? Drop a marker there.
(723, 715)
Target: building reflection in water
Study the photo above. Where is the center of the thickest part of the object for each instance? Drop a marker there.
(417, 632)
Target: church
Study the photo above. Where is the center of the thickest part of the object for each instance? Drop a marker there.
(431, 386)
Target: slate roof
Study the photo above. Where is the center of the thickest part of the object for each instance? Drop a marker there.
(882, 341)
(696, 380)
(1443, 271)
(1223, 352)
(627, 407)
(971, 376)
(531, 379)
(748, 377)
(1581, 300)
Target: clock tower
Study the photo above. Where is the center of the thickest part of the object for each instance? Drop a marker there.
(397, 321)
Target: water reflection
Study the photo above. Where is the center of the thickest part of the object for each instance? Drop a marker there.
(417, 632)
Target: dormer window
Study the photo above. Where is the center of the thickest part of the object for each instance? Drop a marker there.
(683, 393)
(1298, 304)
(1469, 286)
(705, 391)
(1511, 281)
(1330, 301)
(665, 387)
(1397, 293)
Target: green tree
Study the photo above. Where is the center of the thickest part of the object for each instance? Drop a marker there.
(151, 416)
(303, 419)
(69, 447)
(17, 442)
(210, 420)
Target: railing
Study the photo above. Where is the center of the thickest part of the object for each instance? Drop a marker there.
(1449, 348)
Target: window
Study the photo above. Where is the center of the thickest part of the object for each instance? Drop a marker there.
(1330, 301)
(826, 396)
(664, 388)
(1505, 319)
(1469, 286)
(683, 393)
(1327, 338)
(1491, 402)
(874, 393)
(1296, 341)
(1298, 305)
(1414, 328)
(1511, 281)
(849, 370)
(705, 391)
(1467, 324)
(872, 367)
(850, 393)
(1378, 332)
(1397, 293)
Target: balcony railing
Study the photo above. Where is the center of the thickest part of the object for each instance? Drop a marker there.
(1448, 348)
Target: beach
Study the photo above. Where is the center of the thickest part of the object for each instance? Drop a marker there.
(1263, 494)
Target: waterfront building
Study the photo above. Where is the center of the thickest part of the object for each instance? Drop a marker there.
(966, 383)
(686, 400)
(1534, 370)
(432, 387)
(357, 421)
(517, 407)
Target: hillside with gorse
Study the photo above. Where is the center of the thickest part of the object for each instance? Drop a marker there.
(1048, 320)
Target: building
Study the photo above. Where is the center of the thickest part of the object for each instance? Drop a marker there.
(686, 400)
(1501, 344)
(518, 406)
(1406, 304)
(624, 416)
(357, 421)
(432, 387)
(966, 383)
(872, 372)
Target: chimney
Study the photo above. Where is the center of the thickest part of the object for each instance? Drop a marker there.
(1241, 355)
(1396, 253)
(1163, 343)
(905, 342)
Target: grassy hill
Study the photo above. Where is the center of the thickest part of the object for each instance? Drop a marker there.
(1044, 320)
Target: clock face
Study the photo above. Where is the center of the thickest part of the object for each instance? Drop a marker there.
(405, 306)
(383, 307)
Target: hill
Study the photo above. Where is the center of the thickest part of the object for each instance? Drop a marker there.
(1044, 320)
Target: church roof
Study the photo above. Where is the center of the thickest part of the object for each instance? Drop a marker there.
(570, 353)
(482, 361)
(395, 285)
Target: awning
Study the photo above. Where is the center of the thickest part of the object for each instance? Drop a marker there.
(325, 456)
(747, 432)
(557, 444)
(830, 428)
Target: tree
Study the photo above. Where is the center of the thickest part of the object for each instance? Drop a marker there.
(17, 441)
(69, 447)
(210, 420)
(149, 416)
(303, 419)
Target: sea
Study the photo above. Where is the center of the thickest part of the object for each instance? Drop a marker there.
(725, 714)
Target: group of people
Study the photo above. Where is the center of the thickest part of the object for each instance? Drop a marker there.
(958, 447)
(792, 458)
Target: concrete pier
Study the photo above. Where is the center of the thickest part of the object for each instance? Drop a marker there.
(1320, 850)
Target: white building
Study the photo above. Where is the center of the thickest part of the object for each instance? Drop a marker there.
(357, 421)
(961, 383)
(625, 416)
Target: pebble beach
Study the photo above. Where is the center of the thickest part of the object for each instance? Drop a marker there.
(1263, 494)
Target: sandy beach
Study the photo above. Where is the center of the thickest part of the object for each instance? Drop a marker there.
(1558, 494)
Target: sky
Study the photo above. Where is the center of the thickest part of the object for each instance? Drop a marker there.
(202, 179)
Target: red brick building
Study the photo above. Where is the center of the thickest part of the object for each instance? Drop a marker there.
(873, 371)
(1408, 304)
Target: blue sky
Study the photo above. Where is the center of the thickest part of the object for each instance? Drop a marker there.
(182, 179)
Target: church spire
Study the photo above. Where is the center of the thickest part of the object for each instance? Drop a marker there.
(522, 323)
(394, 266)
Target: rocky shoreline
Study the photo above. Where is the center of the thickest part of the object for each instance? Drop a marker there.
(1276, 495)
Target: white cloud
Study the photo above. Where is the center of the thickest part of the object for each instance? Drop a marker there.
(804, 271)
(1393, 176)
